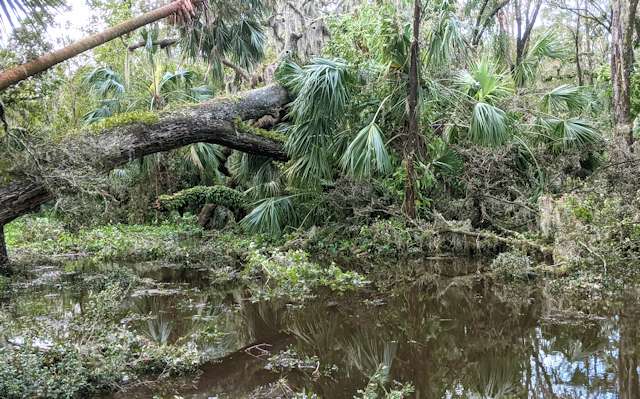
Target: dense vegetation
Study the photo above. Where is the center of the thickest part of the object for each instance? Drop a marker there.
(399, 129)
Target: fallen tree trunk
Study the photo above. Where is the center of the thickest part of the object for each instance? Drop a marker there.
(209, 122)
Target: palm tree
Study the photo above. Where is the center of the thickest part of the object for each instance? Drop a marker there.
(21, 72)
(13, 10)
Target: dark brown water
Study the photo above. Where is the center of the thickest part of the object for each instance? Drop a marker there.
(452, 337)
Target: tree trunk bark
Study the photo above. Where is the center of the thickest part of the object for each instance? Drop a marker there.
(623, 19)
(21, 72)
(413, 140)
(209, 122)
(4, 256)
(523, 37)
(577, 47)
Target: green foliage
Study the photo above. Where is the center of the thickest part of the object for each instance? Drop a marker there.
(45, 237)
(488, 125)
(511, 266)
(292, 275)
(377, 388)
(15, 10)
(445, 38)
(367, 153)
(548, 46)
(196, 197)
(90, 353)
(124, 119)
(270, 215)
(245, 127)
(227, 30)
(485, 82)
(322, 92)
(564, 98)
(571, 133)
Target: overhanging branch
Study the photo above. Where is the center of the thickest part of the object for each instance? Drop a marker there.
(208, 122)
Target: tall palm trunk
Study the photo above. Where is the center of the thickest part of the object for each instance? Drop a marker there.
(412, 144)
(21, 72)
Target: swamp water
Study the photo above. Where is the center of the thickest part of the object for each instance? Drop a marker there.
(450, 337)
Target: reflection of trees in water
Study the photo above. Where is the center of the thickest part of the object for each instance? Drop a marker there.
(629, 349)
(261, 320)
(161, 320)
(468, 340)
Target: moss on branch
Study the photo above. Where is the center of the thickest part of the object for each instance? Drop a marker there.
(244, 127)
(124, 119)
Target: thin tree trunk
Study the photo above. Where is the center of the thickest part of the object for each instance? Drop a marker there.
(4, 257)
(522, 40)
(622, 30)
(412, 143)
(577, 46)
(22, 72)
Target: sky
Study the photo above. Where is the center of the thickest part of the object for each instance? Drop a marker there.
(69, 23)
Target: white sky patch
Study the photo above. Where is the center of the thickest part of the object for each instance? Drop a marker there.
(71, 23)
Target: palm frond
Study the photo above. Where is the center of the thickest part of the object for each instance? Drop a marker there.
(367, 153)
(259, 173)
(270, 216)
(442, 157)
(228, 30)
(485, 82)
(446, 40)
(571, 133)
(548, 45)
(103, 81)
(488, 125)
(107, 108)
(564, 98)
(12, 11)
(323, 91)
(205, 158)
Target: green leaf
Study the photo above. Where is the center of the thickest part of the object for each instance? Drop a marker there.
(366, 153)
(488, 125)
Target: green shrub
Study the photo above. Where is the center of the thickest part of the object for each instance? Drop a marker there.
(511, 266)
(291, 274)
(89, 353)
(196, 197)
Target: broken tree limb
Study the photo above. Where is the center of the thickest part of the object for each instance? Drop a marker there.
(209, 122)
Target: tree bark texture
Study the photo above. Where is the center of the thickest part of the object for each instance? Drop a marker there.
(622, 32)
(209, 122)
(413, 140)
(4, 257)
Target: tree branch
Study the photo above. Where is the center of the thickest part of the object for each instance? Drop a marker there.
(209, 122)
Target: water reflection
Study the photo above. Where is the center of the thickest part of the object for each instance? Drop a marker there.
(464, 340)
(453, 337)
